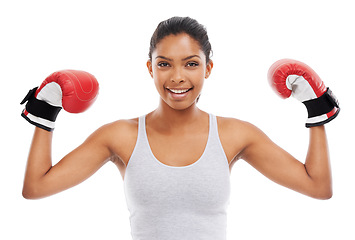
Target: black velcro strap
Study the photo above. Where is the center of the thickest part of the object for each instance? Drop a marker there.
(40, 108)
(322, 105)
(29, 95)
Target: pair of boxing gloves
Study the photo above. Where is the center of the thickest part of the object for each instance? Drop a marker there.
(76, 91)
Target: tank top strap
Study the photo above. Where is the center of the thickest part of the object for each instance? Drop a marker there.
(215, 142)
(141, 125)
(142, 136)
(213, 122)
(214, 128)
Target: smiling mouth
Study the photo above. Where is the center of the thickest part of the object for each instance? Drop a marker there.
(179, 91)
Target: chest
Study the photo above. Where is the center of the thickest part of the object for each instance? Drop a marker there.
(196, 187)
(178, 149)
(198, 184)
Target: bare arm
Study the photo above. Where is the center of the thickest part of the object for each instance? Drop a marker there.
(42, 179)
(317, 162)
(312, 178)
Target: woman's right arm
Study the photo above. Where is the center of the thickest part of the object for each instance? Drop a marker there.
(42, 179)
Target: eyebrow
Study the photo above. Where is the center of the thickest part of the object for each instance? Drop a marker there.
(163, 58)
(192, 56)
(184, 59)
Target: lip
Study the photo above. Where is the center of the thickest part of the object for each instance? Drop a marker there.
(178, 93)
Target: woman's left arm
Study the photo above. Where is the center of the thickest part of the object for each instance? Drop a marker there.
(313, 178)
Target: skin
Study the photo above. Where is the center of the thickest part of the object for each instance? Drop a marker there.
(177, 132)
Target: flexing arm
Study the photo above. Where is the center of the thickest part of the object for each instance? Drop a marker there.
(313, 178)
(317, 162)
(42, 179)
(74, 91)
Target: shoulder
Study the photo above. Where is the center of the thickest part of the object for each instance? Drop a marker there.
(120, 129)
(236, 135)
(116, 131)
(119, 137)
(231, 126)
(238, 128)
(121, 125)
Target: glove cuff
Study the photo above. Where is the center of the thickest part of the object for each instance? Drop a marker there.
(322, 110)
(38, 112)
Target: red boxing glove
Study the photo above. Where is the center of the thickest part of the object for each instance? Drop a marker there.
(289, 76)
(72, 90)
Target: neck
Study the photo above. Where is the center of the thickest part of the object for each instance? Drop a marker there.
(170, 118)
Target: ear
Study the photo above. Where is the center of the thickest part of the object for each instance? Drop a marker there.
(209, 69)
(150, 67)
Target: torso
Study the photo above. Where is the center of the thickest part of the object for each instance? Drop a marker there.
(178, 148)
(175, 148)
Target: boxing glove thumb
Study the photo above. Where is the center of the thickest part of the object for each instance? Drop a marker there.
(73, 90)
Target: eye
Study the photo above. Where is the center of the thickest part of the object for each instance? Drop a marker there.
(192, 64)
(163, 64)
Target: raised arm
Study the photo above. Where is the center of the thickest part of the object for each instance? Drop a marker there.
(74, 91)
(42, 179)
(312, 178)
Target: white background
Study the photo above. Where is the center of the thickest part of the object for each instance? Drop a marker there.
(110, 39)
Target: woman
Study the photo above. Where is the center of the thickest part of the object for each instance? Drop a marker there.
(176, 160)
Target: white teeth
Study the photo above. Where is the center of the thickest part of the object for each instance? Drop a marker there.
(179, 90)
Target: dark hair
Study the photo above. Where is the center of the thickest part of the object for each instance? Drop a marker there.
(176, 25)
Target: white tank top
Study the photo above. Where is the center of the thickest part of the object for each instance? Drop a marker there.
(178, 203)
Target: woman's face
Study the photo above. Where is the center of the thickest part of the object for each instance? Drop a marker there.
(178, 67)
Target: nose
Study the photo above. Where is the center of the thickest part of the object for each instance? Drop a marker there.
(177, 75)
